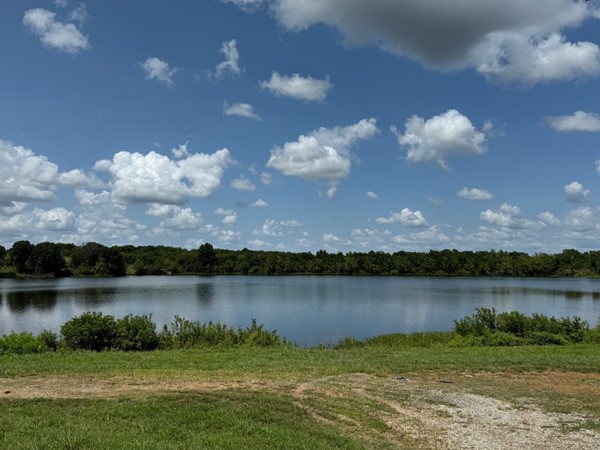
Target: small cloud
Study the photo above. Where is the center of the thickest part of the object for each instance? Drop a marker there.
(231, 63)
(576, 193)
(578, 121)
(61, 36)
(260, 203)
(266, 178)
(435, 201)
(243, 184)
(240, 109)
(474, 194)
(229, 216)
(330, 193)
(405, 217)
(297, 87)
(372, 195)
(159, 70)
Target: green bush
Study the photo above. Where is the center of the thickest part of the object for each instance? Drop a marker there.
(137, 333)
(49, 339)
(545, 338)
(21, 343)
(91, 331)
(513, 322)
(479, 324)
(502, 339)
(184, 333)
(460, 341)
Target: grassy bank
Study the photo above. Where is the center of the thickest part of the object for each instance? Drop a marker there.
(283, 397)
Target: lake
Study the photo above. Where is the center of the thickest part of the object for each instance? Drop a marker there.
(308, 310)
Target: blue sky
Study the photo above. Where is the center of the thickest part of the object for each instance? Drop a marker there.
(300, 125)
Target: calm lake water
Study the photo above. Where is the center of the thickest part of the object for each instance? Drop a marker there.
(306, 309)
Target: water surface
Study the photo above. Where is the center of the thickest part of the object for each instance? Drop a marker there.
(306, 309)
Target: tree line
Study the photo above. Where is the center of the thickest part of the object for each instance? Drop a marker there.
(94, 259)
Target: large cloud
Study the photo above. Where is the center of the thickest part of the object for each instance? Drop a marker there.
(324, 154)
(29, 177)
(155, 178)
(524, 42)
(64, 37)
(435, 138)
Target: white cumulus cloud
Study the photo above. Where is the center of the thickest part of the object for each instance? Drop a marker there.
(159, 70)
(436, 138)
(474, 194)
(298, 87)
(55, 219)
(65, 37)
(508, 216)
(372, 195)
(578, 121)
(154, 178)
(29, 177)
(241, 110)
(324, 154)
(405, 217)
(243, 184)
(229, 216)
(576, 193)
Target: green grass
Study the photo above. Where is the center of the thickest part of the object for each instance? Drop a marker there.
(277, 363)
(235, 420)
(256, 405)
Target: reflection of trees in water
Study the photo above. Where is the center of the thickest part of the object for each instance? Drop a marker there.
(526, 291)
(205, 293)
(92, 297)
(42, 300)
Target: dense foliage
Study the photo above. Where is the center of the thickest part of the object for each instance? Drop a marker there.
(489, 327)
(95, 331)
(93, 259)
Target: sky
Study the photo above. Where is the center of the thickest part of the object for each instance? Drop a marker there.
(299, 125)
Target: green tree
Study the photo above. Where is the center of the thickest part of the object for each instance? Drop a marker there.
(20, 256)
(46, 258)
(207, 258)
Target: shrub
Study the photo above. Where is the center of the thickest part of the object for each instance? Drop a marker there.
(460, 341)
(21, 343)
(513, 322)
(91, 331)
(545, 338)
(137, 333)
(49, 339)
(502, 339)
(479, 324)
